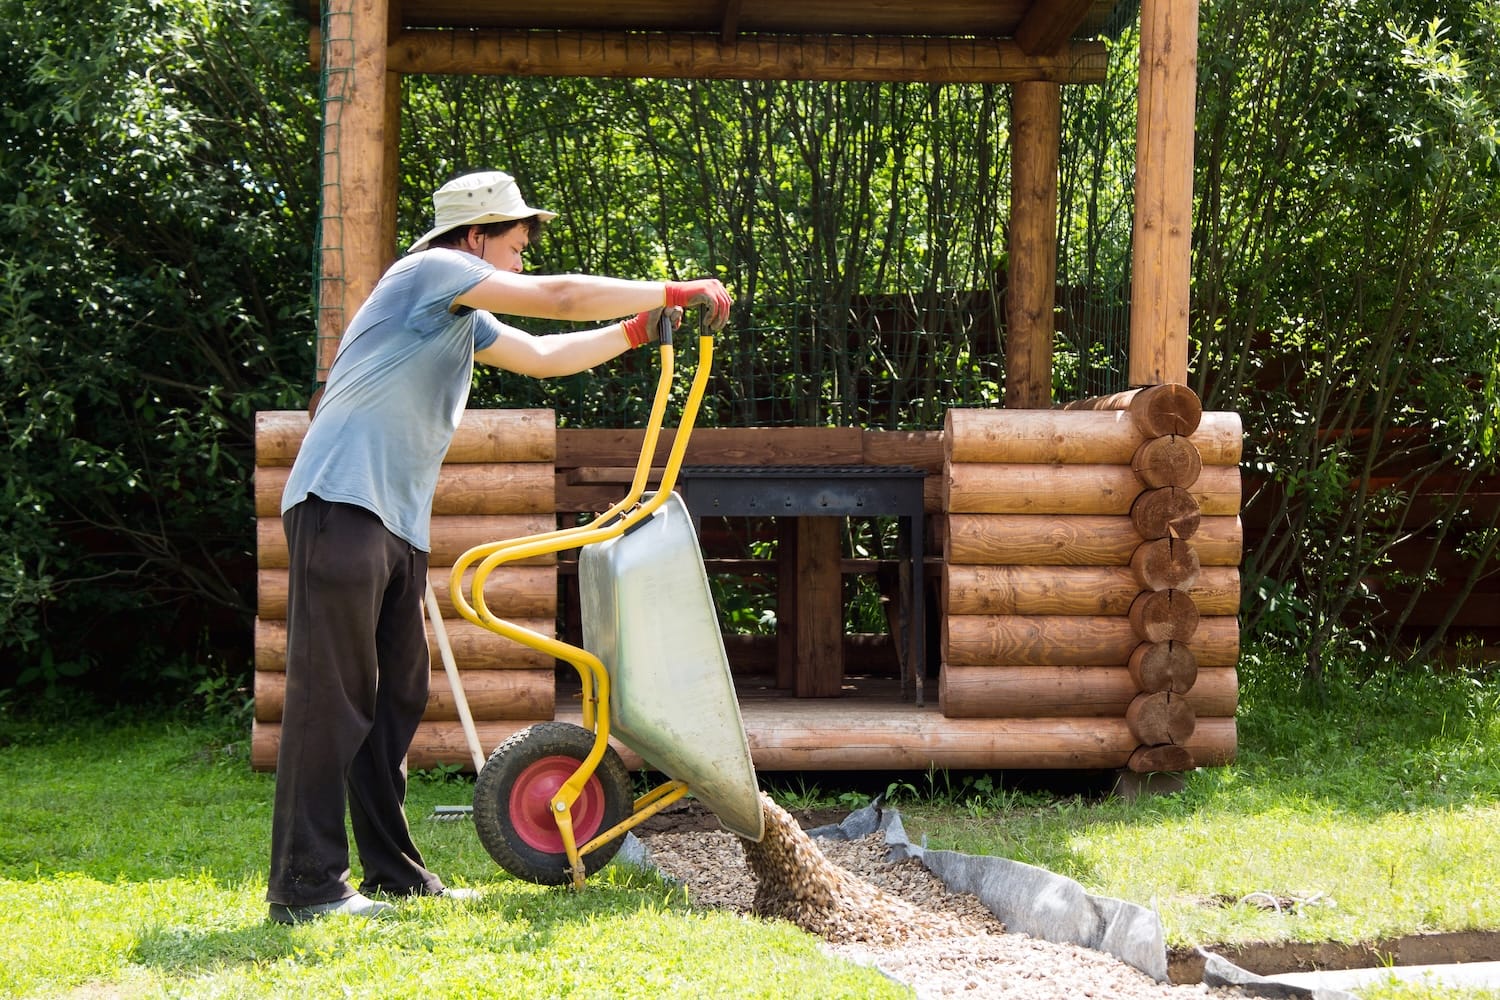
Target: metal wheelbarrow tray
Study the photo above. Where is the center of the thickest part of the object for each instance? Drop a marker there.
(649, 615)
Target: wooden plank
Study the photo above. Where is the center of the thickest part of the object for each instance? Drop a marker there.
(588, 447)
(509, 590)
(491, 694)
(474, 648)
(613, 475)
(1031, 292)
(1038, 640)
(1090, 437)
(792, 740)
(1074, 540)
(1026, 488)
(923, 449)
(451, 537)
(1071, 640)
(483, 435)
(704, 56)
(1073, 590)
(794, 735)
(1161, 248)
(1035, 692)
(475, 488)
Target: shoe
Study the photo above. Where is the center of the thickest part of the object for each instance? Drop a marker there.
(420, 892)
(356, 905)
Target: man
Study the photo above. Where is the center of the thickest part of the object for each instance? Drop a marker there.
(356, 510)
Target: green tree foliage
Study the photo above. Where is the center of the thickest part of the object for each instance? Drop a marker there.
(1347, 264)
(157, 175)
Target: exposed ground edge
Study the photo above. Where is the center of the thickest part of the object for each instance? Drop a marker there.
(1034, 901)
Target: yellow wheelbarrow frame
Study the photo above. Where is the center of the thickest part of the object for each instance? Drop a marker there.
(595, 678)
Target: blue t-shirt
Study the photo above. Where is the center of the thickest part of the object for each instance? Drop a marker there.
(395, 393)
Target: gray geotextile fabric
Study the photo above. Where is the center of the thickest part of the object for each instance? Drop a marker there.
(1027, 899)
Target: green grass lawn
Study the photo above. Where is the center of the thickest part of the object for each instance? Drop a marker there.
(132, 862)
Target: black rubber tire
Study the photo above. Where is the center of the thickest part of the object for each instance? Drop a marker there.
(512, 818)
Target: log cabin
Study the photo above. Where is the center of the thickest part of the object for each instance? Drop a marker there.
(1084, 554)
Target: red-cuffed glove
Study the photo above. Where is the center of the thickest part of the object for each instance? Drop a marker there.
(644, 328)
(707, 293)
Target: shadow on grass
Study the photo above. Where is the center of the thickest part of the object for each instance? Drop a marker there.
(182, 950)
(512, 917)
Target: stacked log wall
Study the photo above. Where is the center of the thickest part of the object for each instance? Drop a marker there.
(496, 482)
(1091, 572)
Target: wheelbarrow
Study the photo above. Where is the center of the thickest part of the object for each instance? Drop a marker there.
(553, 802)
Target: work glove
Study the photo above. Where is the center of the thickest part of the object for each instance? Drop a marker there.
(644, 328)
(706, 293)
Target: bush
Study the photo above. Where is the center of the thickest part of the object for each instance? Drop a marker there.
(157, 198)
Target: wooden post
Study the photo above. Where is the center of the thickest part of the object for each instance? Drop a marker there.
(1159, 276)
(355, 246)
(787, 601)
(1030, 296)
(820, 612)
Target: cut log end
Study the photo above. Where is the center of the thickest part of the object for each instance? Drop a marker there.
(1167, 512)
(1164, 615)
(1155, 410)
(1163, 666)
(1160, 718)
(1171, 408)
(1164, 757)
(1171, 460)
(1165, 564)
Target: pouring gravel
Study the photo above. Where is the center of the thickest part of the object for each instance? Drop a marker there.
(896, 916)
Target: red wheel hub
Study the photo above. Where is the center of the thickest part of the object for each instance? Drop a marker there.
(531, 805)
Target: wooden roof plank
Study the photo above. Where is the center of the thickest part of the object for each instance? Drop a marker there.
(1049, 24)
(726, 18)
(751, 57)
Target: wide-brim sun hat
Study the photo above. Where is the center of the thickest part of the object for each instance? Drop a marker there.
(476, 199)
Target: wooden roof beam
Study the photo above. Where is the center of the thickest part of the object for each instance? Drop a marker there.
(1049, 24)
(695, 55)
(730, 23)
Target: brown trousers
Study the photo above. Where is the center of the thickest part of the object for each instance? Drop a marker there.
(356, 686)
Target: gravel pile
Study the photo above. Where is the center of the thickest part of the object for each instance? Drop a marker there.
(896, 916)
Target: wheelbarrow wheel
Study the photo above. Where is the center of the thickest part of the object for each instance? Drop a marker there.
(513, 802)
